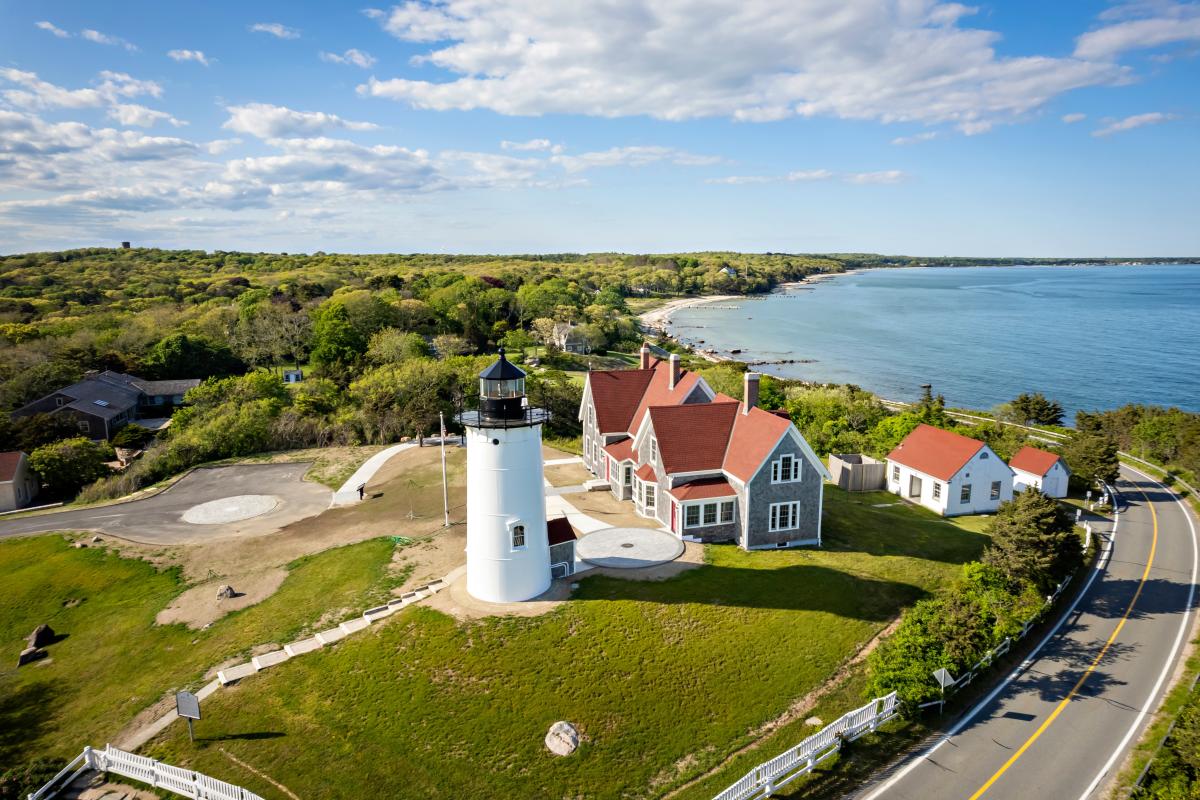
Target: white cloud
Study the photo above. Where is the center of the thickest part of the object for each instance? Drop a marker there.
(887, 60)
(358, 58)
(52, 28)
(104, 38)
(1135, 121)
(1154, 24)
(915, 138)
(276, 29)
(109, 88)
(533, 145)
(269, 122)
(1071, 119)
(189, 55)
(133, 114)
(632, 156)
(813, 175)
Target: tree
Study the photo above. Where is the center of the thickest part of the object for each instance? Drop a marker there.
(70, 464)
(1092, 458)
(518, 341)
(337, 345)
(183, 356)
(448, 345)
(1035, 409)
(30, 433)
(1033, 541)
(394, 346)
(317, 396)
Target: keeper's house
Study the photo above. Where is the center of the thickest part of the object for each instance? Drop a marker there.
(706, 466)
(1041, 470)
(948, 473)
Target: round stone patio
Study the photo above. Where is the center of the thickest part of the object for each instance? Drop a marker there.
(628, 548)
(231, 509)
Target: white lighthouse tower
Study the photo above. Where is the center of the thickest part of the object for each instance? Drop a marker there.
(508, 555)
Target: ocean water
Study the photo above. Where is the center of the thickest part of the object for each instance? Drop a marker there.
(1089, 337)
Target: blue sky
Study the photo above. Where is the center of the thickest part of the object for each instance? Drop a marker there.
(916, 127)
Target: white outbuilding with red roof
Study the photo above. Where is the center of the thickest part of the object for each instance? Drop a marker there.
(1042, 470)
(948, 473)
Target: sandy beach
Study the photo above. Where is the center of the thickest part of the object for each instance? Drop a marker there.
(658, 318)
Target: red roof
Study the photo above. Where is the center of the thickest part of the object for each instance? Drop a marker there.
(935, 452)
(692, 438)
(1034, 461)
(622, 450)
(559, 530)
(616, 395)
(646, 473)
(754, 437)
(702, 490)
(658, 392)
(8, 465)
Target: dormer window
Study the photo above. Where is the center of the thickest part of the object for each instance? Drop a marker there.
(785, 469)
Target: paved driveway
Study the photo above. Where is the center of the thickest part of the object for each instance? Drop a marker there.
(158, 519)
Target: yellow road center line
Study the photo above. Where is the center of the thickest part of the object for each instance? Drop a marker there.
(1091, 667)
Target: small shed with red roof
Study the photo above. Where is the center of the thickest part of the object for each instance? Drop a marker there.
(948, 473)
(1040, 469)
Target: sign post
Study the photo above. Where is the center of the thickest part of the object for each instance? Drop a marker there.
(944, 679)
(187, 705)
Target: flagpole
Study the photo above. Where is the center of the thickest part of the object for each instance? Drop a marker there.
(445, 489)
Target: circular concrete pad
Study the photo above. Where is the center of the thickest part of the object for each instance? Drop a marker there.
(231, 509)
(628, 548)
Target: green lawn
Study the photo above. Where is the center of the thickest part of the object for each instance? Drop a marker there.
(115, 661)
(663, 679)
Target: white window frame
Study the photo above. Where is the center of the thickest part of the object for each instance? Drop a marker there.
(997, 487)
(649, 497)
(702, 508)
(964, 493)
(784, 516)
(780, 473)
(654, 451)
(626, 474)
(84, 426)
(516, 533)
(896, 473)
(937, 490)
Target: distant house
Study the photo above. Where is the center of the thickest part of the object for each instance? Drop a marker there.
(18, 486)
(948, 473)
(569, 338)
(103, 402)
(293, 375)
(1041, 470)
(728, 271)
(709, 468)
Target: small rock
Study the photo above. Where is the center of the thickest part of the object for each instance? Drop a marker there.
(226, 592)
(80, 545)
(96, 539)
(562, 739)
(29, 655)
(816, 721)
(42, 635)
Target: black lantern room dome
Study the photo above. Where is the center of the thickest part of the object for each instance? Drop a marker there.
(502, 400)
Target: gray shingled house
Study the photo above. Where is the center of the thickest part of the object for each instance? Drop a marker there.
(103, 402)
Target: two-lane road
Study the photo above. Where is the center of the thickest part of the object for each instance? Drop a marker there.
(1061, 723)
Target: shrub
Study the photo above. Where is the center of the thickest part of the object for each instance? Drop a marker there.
(67, 465)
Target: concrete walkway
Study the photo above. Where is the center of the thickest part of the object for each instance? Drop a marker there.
(348, 494)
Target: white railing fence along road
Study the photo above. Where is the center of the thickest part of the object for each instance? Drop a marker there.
(801, 759)
(181, 781)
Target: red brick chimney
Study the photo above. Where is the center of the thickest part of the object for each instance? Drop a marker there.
(674, 371)
(750, 394)
(645, 356)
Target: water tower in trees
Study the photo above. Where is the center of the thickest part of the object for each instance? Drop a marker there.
(508, 555)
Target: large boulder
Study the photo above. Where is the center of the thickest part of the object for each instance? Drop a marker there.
(29, 655)
(562, 739)
(42, 635)
(226, 592)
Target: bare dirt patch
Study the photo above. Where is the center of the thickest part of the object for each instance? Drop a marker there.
(199, 605)
(567, 474)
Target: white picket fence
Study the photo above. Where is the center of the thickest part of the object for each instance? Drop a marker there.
(181, 781)
(804, 757)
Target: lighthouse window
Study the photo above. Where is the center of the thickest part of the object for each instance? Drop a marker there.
(518, 536)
